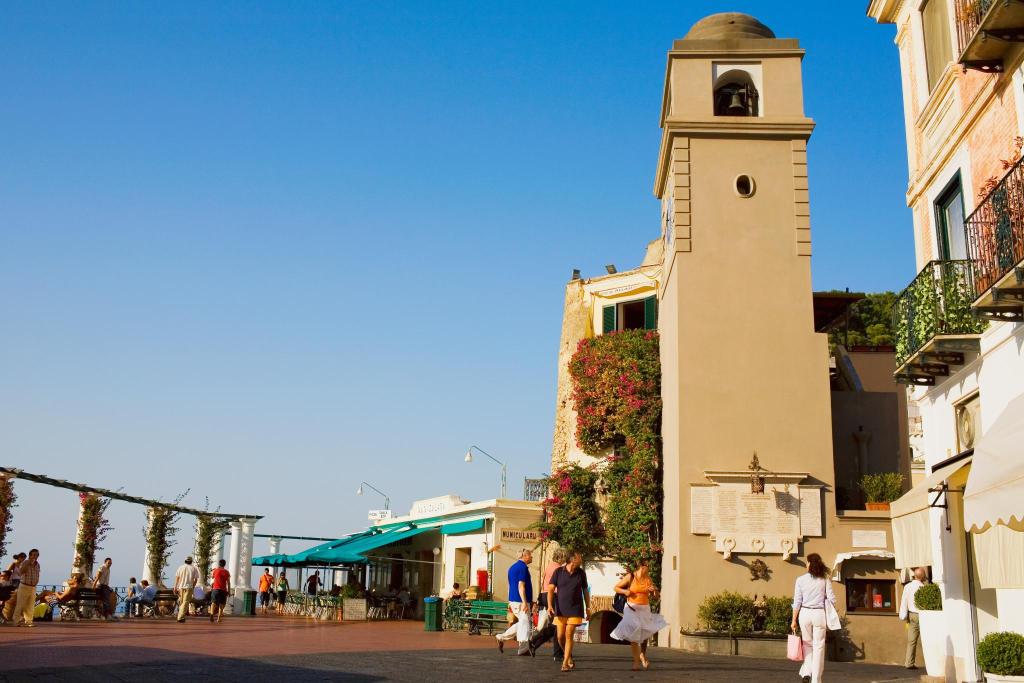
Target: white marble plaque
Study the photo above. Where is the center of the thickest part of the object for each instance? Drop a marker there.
(869, 538)
(810, 511)
(702, 505)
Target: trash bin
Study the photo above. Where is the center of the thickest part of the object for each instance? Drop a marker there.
(432, 614)
(249, 603)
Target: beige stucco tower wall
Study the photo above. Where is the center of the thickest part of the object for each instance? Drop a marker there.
(742, 368)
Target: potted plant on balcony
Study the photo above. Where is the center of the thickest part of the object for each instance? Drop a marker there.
(881, 489)
(1001, 656)
(933, 628)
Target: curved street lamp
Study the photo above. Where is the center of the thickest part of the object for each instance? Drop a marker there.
(387, 501)
(504, 467)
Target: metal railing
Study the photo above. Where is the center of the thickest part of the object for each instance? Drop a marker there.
(969, 15)
(937, 302)
(995, 231)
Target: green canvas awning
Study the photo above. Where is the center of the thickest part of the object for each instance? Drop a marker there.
(462, 527)
(302, 559)
(355, 552)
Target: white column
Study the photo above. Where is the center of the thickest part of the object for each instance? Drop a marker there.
(275, 545)
(216, 549)
(245, 553)
(236, 540)
(147, 575)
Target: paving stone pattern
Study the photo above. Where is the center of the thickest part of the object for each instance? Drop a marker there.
(281, 649)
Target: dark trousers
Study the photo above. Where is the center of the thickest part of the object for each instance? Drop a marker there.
(544, 635)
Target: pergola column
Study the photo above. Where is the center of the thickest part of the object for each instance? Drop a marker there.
(216, 549)
(76, 566)
(147, 574)
(245, 553)
(275, 545)
(232, 564)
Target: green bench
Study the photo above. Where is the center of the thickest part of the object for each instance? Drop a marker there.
(493, 614)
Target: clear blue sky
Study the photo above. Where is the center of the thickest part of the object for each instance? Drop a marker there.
(267, 250)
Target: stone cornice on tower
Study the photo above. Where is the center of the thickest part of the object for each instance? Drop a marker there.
(725, 127)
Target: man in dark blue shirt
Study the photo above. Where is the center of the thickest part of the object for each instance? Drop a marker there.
(520, 603)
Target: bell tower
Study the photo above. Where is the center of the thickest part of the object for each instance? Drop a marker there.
(743, 371)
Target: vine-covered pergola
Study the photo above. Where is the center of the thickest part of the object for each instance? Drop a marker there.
(242, 526)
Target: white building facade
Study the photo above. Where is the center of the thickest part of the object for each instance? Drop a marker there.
(960, 337)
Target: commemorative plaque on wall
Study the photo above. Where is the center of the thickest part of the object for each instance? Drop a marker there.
(740, 521)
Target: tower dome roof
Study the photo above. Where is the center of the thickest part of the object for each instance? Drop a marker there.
(728, 25)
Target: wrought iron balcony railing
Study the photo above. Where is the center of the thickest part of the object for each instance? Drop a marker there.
(986, 31)
(936, 305)
(995, 245)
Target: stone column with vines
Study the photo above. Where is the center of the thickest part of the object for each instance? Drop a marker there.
(208, 531)
(8, 499)
(92, 529)
(159, 532)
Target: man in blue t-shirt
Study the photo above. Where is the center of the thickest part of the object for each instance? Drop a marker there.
(520, 603)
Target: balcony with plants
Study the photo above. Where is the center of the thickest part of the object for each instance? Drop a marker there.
(995, 246)
(933, 323)
(987, 30)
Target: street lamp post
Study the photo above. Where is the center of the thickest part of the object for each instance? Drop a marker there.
(387, 501)
(504, 467)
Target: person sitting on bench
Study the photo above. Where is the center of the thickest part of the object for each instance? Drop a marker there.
(144, 598)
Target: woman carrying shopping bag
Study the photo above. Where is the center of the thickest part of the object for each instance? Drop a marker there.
(810, 595)
(638, 622)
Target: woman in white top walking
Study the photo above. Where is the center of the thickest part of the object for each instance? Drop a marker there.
(809, 595)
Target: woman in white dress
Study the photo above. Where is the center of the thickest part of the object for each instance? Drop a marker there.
(809, 595)
(638, 622)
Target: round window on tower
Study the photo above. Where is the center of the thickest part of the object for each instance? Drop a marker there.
(744, 186)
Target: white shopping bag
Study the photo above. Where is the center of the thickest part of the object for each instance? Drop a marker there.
(832, 617)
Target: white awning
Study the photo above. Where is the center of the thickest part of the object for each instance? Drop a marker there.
(837, 565)
(911, 518)
(998, 552)
(995, 486)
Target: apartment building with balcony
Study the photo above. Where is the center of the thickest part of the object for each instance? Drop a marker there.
(958, 323)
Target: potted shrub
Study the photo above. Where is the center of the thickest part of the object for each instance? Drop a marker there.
(1001, 656)
(933, 629)
(881, 489)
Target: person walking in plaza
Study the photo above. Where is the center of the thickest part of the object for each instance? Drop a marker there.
(266, 585)
(28, 570)
(809, 595)
(520, 603)
(282, 592)
(638, 622)
(569, 597)
(101, 584)
(909, 614)
(545, 623)
(221, 588)
(313, 583)
(185, 579)
(15, 579)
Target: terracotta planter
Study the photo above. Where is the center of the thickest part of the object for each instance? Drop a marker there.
(876, 506)
(996, 678)
(934, 641)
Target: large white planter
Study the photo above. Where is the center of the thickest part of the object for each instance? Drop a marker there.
(934, 641)
(996, 678)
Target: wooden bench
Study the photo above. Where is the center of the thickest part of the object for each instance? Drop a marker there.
(163, 604)
(493, 614)
(83, 605)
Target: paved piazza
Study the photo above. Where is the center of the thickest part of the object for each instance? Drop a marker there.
(275, 649)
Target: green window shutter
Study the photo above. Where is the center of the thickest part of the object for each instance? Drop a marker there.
(608, 319)
(651, 313)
